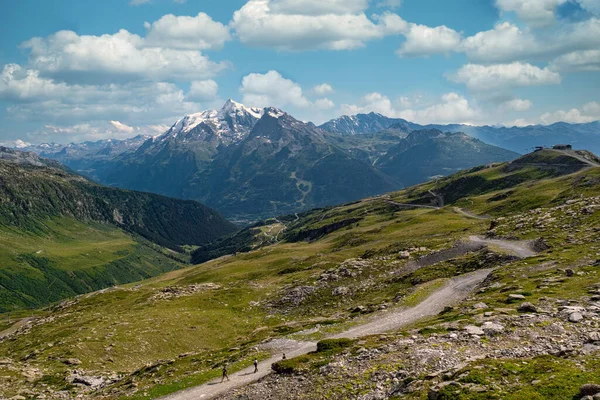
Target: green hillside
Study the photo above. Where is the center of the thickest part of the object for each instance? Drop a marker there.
(311, 275)
(62, 235)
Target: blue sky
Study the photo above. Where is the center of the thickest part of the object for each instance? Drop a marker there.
(87, 70)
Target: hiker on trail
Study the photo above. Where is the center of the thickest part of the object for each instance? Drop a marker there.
(224, 373)
(255, 365)
(283, 358)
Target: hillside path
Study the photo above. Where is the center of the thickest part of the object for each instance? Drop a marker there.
(469, 213)
(520, 248)
(453, 292)
(573, 154)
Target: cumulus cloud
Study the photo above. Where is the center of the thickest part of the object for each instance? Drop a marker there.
(311, 24)
(185, 32)
(36, 98)
(505, 42)
(535, 12)
(122, 56)
(121, 127)
(322, 89)
(424, 40)
(272, 89)
(203, 90)
(318, 7)
(324, 104)
(450, 108)
(588, 60)
(483, 78)
(389, 3)
(592, 6)
(589, 112)
(93, 131)
(23, 85)
(517, 105)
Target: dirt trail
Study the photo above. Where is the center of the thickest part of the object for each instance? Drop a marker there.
(520, 248)
(395, 203)
(469, 213)
(579, 157)
(456, 290)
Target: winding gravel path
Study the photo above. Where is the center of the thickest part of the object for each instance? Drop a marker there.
(456, 290)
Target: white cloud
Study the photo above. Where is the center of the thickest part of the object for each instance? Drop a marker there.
(138, 2)
(589, 112)
(503, 76)
(185, 32)
(318, 7)
(505, 42)
(272, 89)
(535, 12)
(23, 85)
(451, 108)
(424, 40)
(122, 56)
(203, 90)
(389, 3)
(517, 105)
(322, 89)
(587, 60)
(35, 98)
(311, 24)
(93, 131)
(324, 104)
(121, 127)
(593, 6)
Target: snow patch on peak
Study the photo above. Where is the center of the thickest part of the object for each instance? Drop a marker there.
(230, 124)
(274, 112)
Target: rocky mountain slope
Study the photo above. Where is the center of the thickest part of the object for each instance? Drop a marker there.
(42, 205)
(528, 331)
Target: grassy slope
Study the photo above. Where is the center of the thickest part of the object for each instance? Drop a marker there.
(64, 258)
(107, 331)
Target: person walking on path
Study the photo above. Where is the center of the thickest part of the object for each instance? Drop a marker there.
(224, 373)
(255, 365)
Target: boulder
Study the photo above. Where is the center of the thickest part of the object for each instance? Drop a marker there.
(480, 306)
(575, 317)
(515, 297)
(527, 307)
(340, 291)
(491, 328)
(474, 330)
(589, 389)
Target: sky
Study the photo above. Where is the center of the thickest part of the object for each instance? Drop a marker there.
(81, 70)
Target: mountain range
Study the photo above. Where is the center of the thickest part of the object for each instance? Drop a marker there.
(252, 163)
(519, 139)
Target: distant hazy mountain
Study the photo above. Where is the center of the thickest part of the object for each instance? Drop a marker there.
(425, 154)
(364, 123)
(518, 139)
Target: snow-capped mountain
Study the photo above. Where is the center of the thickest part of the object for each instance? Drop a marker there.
(228, 125)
